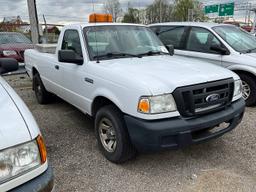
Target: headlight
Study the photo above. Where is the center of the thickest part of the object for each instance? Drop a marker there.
(157, 104)
(9, 53)
(237, 88)
(20, 159)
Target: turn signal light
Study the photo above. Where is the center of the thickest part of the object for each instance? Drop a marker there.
(97, 18)
(42, 148)
(144, 106)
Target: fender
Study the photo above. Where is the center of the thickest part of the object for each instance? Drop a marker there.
(245, 68)
(103, 92)
(29, 64)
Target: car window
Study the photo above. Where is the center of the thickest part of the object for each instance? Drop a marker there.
(71, 41)
(10, 38)
(155, 29)
(201, 40)
(171, 35)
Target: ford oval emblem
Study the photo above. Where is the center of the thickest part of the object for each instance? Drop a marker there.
(212, 97)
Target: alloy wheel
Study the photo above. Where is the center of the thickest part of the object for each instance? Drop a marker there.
(107, 135)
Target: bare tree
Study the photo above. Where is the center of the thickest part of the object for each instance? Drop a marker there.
(113, 7)
(159, 11)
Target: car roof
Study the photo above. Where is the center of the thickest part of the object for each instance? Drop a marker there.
(195, 24)
(104, 24)
(10, 33)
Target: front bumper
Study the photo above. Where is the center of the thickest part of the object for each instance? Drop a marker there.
(42, 183)
(179, 132)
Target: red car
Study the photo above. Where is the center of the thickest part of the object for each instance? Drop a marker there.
(13, 45)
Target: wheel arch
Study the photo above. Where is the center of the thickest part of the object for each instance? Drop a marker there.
(240, 71)
(34, 71)
(243, 69)
(101, 101)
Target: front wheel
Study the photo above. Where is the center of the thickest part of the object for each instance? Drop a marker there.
(112, 135)
(248, 89)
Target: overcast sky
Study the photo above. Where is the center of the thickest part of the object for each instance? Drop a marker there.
(65, 11)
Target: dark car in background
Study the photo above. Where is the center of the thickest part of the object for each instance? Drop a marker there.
(13, 45)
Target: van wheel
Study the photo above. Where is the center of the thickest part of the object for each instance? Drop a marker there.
(112, 135)
(248, 89)
(42, 95)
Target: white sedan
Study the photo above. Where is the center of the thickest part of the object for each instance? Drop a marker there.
(23, 158)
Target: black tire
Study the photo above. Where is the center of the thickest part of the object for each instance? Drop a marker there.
(251, 81)
(124, 150)
(42, 95)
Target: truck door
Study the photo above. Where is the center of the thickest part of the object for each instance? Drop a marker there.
(72, 75)
(198, 45)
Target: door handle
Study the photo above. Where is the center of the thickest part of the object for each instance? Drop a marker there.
(57, 67)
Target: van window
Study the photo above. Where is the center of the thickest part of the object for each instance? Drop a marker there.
(71, 41)
(201, 40)
(237, 38)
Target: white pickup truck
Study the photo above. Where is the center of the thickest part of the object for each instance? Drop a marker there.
(141, 97)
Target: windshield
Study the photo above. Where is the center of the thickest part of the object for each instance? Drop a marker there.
(108, 42)
(8, 38)
(237, 38)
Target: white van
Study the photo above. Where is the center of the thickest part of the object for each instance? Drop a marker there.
(221, 44)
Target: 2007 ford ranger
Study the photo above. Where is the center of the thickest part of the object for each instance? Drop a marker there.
(141, 97)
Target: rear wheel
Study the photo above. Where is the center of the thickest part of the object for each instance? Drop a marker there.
(248, 89)
(42, 95)
(112, 135)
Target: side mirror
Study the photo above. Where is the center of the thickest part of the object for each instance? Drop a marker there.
(8, 65)
(170, 48)
(219, 49)
(69, 56)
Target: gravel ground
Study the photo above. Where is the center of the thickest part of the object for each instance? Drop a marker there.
(224, 164)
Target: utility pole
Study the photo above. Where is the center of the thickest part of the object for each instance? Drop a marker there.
(46, 30)
(249, 13)
(34, 24)
(254, 22)
(160, 11)
(190, 15)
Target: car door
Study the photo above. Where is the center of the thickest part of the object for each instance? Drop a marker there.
(199, 43)
(73, 84)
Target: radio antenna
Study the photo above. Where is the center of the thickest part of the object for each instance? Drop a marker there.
(95, 36)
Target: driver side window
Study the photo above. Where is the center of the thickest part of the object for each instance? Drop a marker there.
(201, 40)
(71, 41)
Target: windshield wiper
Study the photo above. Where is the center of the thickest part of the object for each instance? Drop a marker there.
(250, 50)
(150, 53)
(116, 54)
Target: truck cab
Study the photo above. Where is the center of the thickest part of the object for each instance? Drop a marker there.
(141, 97)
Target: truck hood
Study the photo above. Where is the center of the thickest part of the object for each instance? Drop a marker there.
(13, 129)
(163, 74)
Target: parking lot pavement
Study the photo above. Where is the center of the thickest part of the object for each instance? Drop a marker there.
(225, 164)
